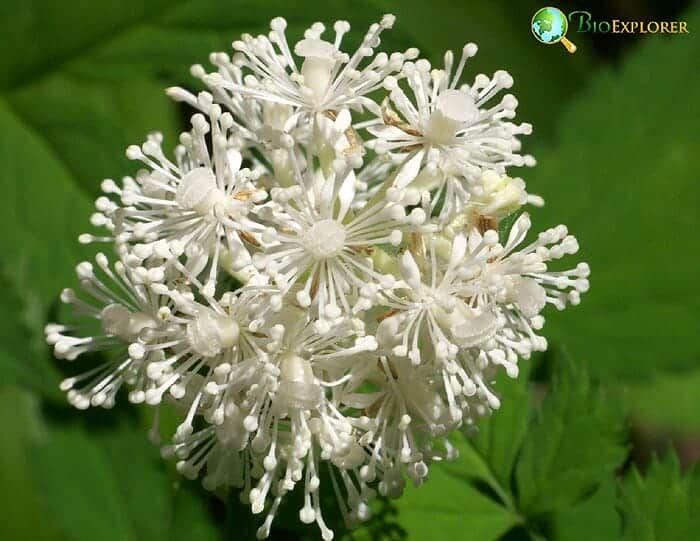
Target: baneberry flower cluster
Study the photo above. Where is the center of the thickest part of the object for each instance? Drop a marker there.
(317, 277)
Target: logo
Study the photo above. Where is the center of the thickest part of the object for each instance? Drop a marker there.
(550, 25)
(584, 22)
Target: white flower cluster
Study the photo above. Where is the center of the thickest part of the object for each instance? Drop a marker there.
(315, 277)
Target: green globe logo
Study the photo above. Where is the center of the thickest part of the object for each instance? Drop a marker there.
(549, 25)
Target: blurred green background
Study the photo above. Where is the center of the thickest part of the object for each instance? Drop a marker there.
(571, 454)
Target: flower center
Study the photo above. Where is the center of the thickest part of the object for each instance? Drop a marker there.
(297, 388)
(198, 191)
(453, 110)
(210, 333)
(317, 68)
(324, 239)
(119, 321)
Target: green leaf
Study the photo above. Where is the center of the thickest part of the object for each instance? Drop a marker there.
(662, 505)
(81, 489)
(87, 119)
(447, 504)
(143, 484)
(24, 512)
(102, 484)
(49, 34)
(549, 472)
(500, 435)
(190, 517)
(112, 484)
(88, 124)
(574, 444)
(41, 214)
(623, 177)
(594, 518)
(160, 504)
(24, 357)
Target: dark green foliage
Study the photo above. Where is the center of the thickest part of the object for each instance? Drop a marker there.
(662, 504)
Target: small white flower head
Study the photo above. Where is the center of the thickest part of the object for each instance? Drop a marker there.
(197, 209)
(312, 75)
(121, 312)
(403, 412)
(446, 135)
(432, 322)
(424, 304)
(280, 416)
(258, 128)
(518, 282)
(215, 338)
(315, 240)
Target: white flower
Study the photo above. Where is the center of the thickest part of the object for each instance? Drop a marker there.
(200, 206)
(280, 416)
(497, 196)
(447, 135)
(327, 80)
(403, 412)
(480, 308)
(424, 309)
(122, 313)
(215, 336)
(316, 239)
(517, 281)
(370, 181)
(258, 128)
(431, 322)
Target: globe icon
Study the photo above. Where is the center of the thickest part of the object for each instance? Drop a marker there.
(549, 25)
